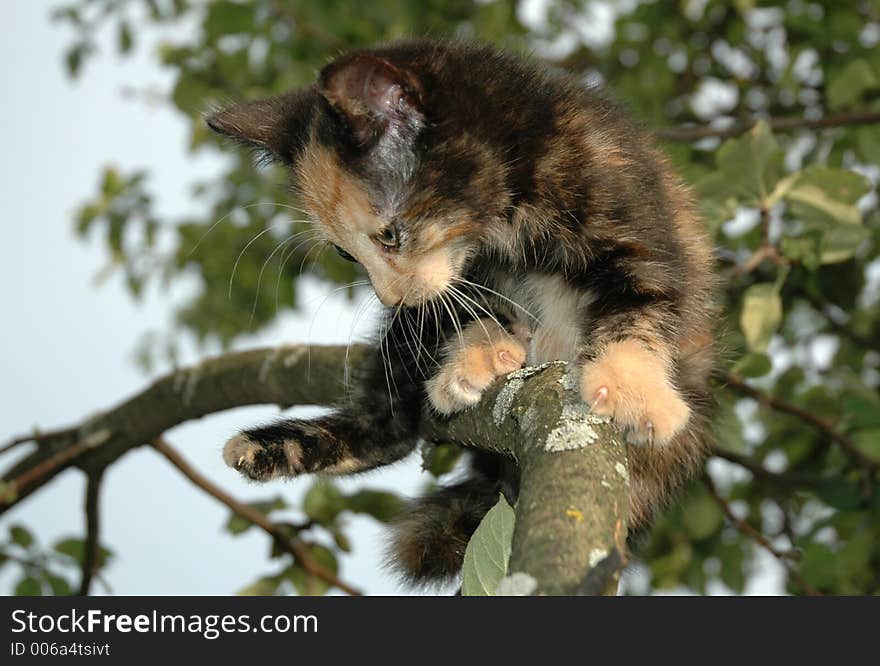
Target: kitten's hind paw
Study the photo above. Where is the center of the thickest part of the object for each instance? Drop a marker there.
(263, 461)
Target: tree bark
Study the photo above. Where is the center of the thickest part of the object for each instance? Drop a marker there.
(571, 516)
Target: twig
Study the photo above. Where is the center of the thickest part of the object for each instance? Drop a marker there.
(759, 538)
(92, 548)
(37, 437)
(16, 486)
(820, 424)
(777, 124)
(761, 473)
(294, 547)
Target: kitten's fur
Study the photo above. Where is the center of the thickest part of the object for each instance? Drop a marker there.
(448, 168)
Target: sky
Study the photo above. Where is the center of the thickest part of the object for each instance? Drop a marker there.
(66, 350)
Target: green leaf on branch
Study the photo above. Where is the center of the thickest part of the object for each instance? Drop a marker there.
(238, 524)
(307, 584)
(380, 505)
(761, 315)
(753, 365)
(749, 167)
(440, 459)
(822, 195)
(850, 84)
(701, 515)
(75, 548)
(488, 551)
(323, 502)
(28, 587)
(21, 535)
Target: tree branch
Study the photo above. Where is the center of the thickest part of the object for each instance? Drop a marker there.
(294, 547)
(776, 124)
(759, 538)
(573, 503)
(573, 506)
(92, 547)
(261, 376)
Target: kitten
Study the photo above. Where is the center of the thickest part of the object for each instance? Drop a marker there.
(506, 215)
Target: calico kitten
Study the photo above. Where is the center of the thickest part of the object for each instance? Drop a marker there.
(505, 214)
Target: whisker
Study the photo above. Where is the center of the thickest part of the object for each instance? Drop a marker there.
(492, 291)
(241, 254)
(245, 207)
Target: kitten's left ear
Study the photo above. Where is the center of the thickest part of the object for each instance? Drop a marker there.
(277, 126)
(374, 95)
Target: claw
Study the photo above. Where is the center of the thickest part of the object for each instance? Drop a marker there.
(600, 397)
(649, 426)
(240, 463)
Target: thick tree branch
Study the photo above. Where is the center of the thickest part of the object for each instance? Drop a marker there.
(573, 505)
(297, 549)
(289, 375)
(571, 515)
(776, 124)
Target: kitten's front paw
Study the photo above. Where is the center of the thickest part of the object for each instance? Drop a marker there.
(263, 461)
(471, 369)
(628, 383)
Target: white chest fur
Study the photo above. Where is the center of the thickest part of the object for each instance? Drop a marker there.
(558, 311)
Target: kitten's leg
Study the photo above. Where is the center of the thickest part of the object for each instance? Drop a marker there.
(484, 351)
(377, 425)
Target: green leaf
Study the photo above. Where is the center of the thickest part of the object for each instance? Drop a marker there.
(60, 587)
(380, 505)
(238, 524)
(488, 551)
(701, 515)
(753, 365)
(228, 18)
(822, 195)
(440, 459)
(850, 84)
(21, 535)
(868, 442)
(75, 548)
(840, 243)
(761, 315)
(841, 494)
(263, 587)
(752, 164)
(323, 502)
(818, 565)
(124, 39)
(305, 583)
(28, 587)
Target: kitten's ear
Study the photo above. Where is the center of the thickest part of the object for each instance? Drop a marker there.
(277, 126)
(373, 94)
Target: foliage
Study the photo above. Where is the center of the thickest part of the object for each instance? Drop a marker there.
(44, 571)
(794, 215)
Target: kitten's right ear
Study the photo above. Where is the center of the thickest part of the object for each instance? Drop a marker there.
(373, 94)
(277, 126)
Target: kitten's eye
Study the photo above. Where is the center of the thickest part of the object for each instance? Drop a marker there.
(388, 238)
(345, 255)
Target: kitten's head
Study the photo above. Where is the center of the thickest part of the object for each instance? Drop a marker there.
(390, 176)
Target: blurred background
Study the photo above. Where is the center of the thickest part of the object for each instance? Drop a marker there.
(138, 243)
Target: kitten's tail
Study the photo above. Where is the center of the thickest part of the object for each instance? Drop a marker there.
(430, 538)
